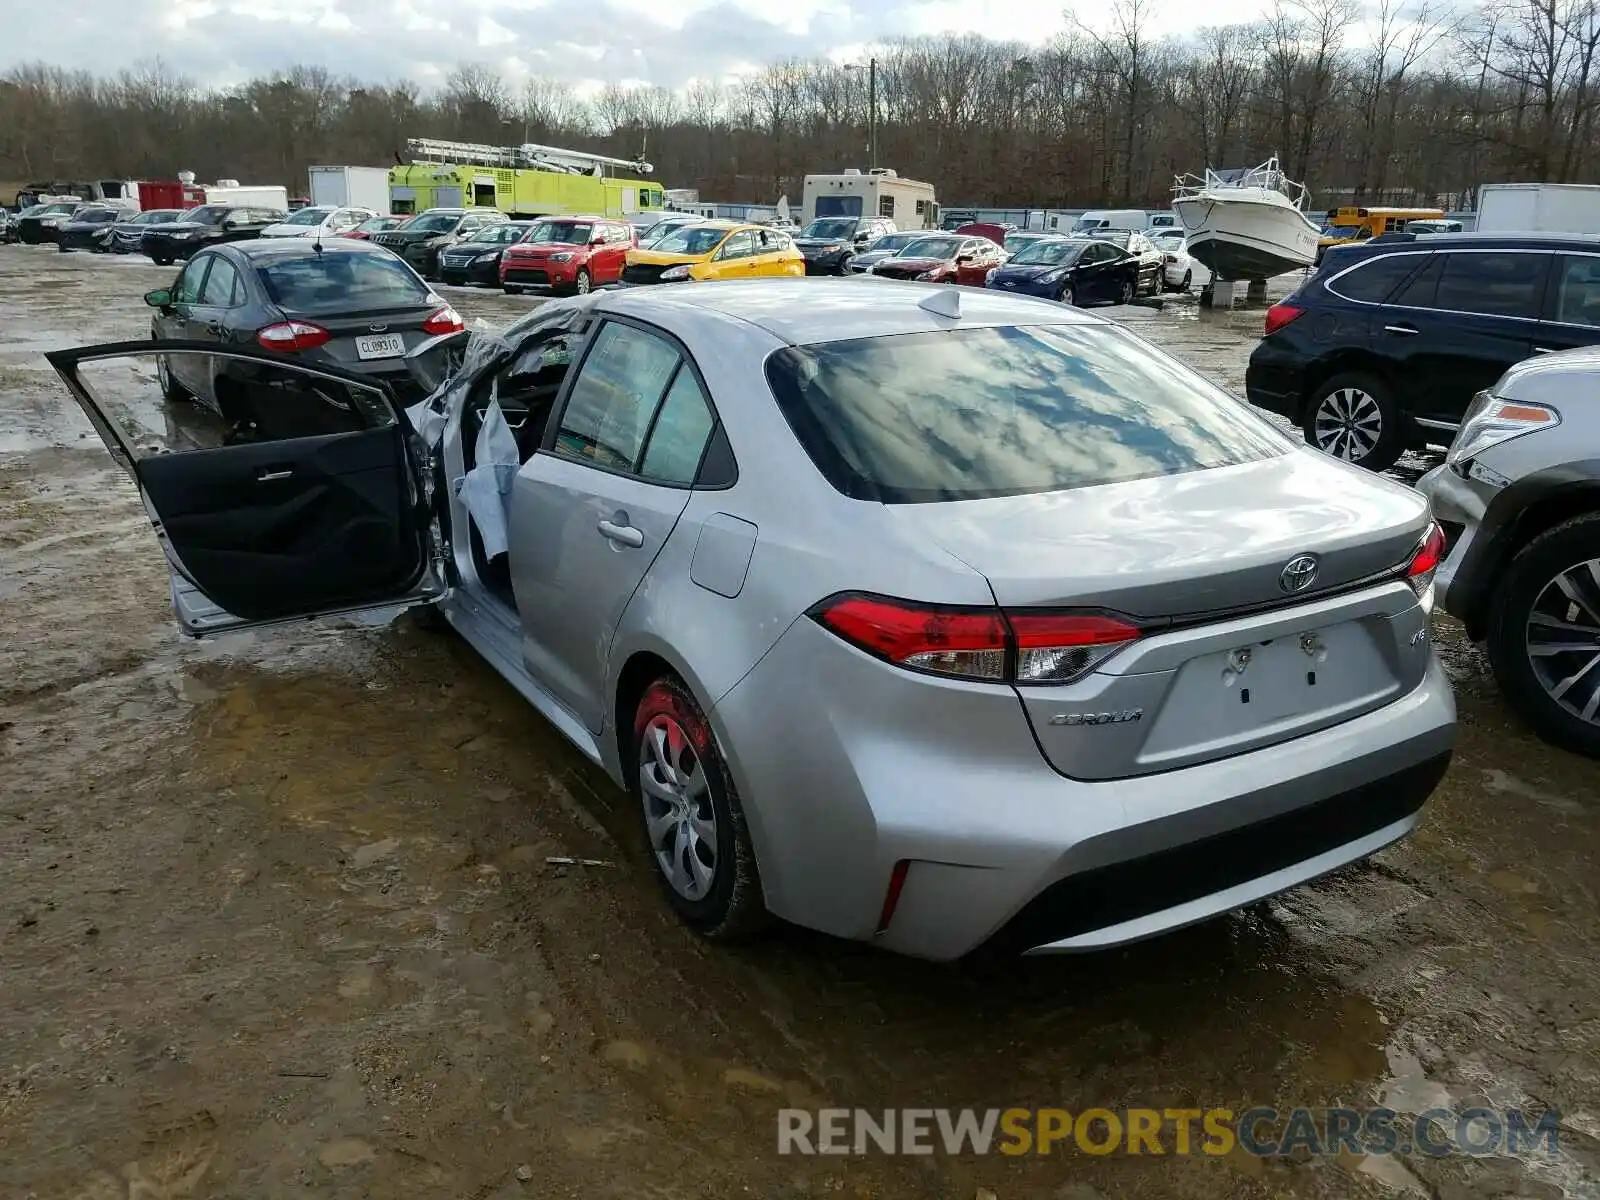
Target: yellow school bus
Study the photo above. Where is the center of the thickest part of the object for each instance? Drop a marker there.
(1359, 224)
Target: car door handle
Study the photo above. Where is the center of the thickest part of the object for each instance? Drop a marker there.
(1405, 330)
(215, 327)
(624, 535)
(271, 475)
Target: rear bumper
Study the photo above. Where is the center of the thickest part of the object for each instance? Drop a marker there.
(947, 777)
(1275, 382)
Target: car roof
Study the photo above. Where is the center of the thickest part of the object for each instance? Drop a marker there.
(266, 249)
(807, 311)
(1485, 241)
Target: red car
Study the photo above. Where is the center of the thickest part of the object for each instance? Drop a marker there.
(575, 254)
(373, 225)
(995, 231)
(944, 258)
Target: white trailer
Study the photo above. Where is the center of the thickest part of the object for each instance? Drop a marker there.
(228, 191)
(909, 203)
(351, 187)
(1538, 208)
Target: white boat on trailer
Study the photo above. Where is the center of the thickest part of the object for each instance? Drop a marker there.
(1247, 224)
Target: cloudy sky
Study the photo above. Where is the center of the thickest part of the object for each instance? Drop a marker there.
(587, 42)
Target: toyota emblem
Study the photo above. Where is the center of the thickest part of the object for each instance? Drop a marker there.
(1298, 573)
(384, 329)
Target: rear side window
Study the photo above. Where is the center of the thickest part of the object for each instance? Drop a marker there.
(1373, 281)
(608, 411)
(321, 283)
(1497, 285)
(219, 285)
(1578, 293)
(927, 417)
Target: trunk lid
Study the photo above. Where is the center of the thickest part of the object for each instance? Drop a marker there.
(1233, 658)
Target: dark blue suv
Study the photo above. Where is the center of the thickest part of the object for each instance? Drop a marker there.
(1383, 349)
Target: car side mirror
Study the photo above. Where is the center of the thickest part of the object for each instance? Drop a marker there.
(963, 258)
(230, 223)
(863, 237)
(160, 298)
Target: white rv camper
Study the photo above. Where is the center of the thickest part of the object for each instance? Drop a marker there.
(909, 203)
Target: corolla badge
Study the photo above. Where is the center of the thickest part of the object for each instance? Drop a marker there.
(1298, 573)
(1121, 717)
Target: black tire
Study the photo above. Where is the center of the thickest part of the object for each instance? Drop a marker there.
(511, 289)
(1128, 289)
(583, 282)
(163, 261)
(1517, 593)
(1338, 420)
(1188, 281)
(171, 390)
(1067, 296)
(732, 905)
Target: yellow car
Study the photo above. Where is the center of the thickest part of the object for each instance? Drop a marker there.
(715, 250)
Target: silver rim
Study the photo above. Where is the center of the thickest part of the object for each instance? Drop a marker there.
(1066, 295)
(1563, 639)
(583, 283)
(678, 816)
(1349, 424)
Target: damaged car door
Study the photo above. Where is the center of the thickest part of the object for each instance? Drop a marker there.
(327, 512)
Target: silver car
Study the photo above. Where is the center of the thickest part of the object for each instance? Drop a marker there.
(925, 618)
(1519, 492)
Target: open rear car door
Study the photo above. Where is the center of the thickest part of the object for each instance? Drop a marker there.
(306, 498)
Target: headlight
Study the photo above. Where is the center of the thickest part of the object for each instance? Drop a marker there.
(561, 257)
(930, 276)
(487, 256)
(988, 276)
(674, 274)
(187, 233)
(1490, 422)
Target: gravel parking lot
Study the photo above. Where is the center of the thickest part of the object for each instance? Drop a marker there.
(276, 916)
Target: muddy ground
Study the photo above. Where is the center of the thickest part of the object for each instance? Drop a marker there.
(276, 918)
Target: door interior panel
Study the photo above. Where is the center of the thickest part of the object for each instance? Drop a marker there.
(339, 528)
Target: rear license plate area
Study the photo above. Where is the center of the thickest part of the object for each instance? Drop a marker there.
(1271, 689)
(380, 345)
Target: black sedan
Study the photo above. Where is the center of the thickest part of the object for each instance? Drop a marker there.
(346, 303)
(88, 230)
(40, 223)
(206, 226)
(476, 259)
(1070, 270)
(125, 234)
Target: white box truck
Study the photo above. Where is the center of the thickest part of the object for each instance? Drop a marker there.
(1538, 208)
(351, 187)
(229, 191)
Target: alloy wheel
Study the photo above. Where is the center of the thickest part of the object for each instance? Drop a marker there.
(583, 283)
(1563, 640)
(1349, 424)
(1067, 297)
(680, 820)
(1126, 296)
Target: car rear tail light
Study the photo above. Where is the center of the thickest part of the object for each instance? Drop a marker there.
(1281, 314)
(292, 336)
(1429, 554)
(984, 644)
(1062, 647)
(1170, 258)
(446, 320)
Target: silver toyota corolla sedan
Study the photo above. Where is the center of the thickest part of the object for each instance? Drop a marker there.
(930, 618)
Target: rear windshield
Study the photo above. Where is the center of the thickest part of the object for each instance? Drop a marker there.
(321, 283)
(960, 415)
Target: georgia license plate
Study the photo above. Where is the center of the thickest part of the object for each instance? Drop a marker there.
(380, 345)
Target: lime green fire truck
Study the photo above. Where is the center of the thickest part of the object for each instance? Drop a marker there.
(525, 181)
